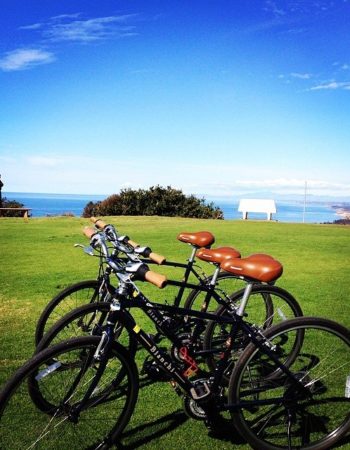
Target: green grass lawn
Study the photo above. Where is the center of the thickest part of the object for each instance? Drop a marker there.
(38, 259)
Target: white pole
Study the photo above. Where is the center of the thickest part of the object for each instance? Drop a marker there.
(304, 210)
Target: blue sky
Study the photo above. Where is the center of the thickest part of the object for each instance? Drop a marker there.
(217, 98)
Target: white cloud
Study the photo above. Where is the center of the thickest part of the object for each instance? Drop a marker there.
(70, 173)
(343, 66)
(302, 76)
(89, 30)
(70, 27)
(332, 85)
(25, 58)
(277, 186)
(34, 26)
(271, 183)
(292, 183)
(66, 16)
(271, 6)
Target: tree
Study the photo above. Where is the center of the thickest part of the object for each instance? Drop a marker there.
(157, 200)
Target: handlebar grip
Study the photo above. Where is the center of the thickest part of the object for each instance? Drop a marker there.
(133, 244)
(89, 232)
(159, 259)
(99, 223)
(155, 278)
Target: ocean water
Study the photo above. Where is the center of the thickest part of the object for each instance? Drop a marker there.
(58, 204)
(53, 204)
(288, 212)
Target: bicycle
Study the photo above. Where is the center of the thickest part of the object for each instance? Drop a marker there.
(286, 390)
(219, 285)
(89, 318)
(89, 291)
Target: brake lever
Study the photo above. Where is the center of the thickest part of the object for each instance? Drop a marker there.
(87, 249)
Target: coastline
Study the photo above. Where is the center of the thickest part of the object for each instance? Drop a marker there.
(287, 211)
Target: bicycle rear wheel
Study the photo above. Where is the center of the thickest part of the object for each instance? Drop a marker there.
(226, 285)
(77, 294)
(272, 411)
(267, 306)
(37, 405)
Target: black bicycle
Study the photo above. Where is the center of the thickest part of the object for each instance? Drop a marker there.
(202, 338)
(268, 305)
(286, 389)
(89, 291)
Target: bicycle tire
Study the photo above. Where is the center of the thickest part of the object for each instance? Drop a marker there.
(216, 335)
(284, 305)
(86, 320)
(32, 412)
(275, 414)
(226, 284)
(75, 295)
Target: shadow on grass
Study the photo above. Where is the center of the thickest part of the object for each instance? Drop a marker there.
(147, 432)
(166, 424)
(225, 433)
(153, 430)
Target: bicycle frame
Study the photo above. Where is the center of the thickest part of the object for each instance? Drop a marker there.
(125, 245)
(206, 284)
(181, 376)
(189, 269)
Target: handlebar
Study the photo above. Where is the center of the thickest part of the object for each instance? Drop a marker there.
(89, 232)
(158, 259)
(146, 252)
(96, 240)
(140, 270)
(98, 222)
(133, 243)
(155, 278)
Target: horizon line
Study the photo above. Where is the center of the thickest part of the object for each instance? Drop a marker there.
(212, 197)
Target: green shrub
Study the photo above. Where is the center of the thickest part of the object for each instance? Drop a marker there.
(11, 204)
(156, 201)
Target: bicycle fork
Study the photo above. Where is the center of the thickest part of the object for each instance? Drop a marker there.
(100, 356)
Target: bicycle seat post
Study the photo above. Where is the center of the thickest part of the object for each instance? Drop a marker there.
(215, 275)
(193, 254)
(246, 295)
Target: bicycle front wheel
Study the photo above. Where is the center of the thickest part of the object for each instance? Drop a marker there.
(86, 320)
(309, 408)
(77, 294)
(38, 404)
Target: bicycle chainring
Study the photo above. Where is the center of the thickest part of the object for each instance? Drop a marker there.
(192, 409)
